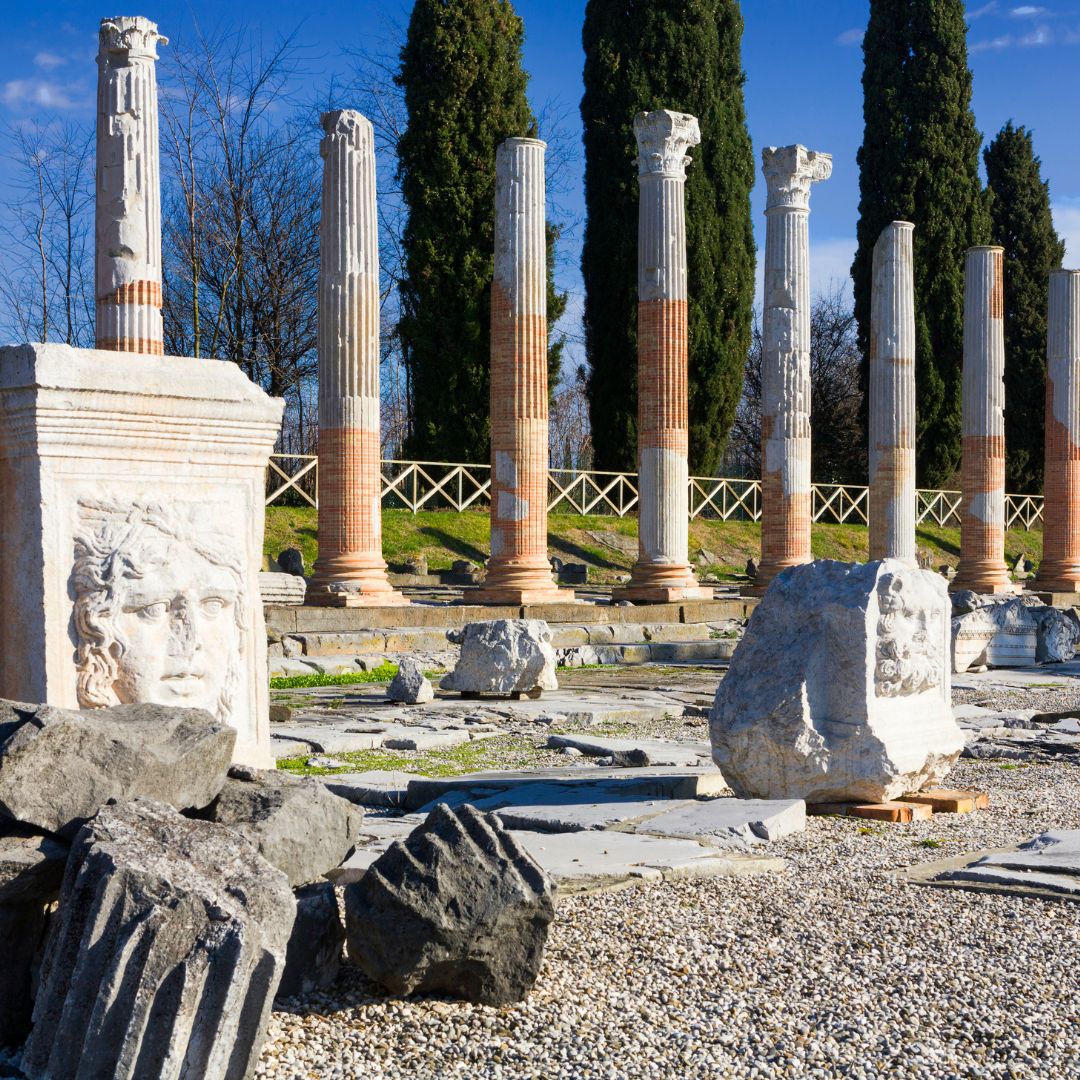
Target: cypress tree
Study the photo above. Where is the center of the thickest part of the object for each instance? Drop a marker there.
(684, 55)
(464, 91)
(1021, 223)
(919, 162)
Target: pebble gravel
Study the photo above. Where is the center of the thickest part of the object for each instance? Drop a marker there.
(833, 968)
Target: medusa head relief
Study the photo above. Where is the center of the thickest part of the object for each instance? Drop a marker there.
(910, 657)
(159, 608)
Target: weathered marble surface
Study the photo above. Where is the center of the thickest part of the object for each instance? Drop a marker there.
(840, 687)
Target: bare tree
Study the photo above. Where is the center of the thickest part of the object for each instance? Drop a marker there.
(838, 447)
(48, 289)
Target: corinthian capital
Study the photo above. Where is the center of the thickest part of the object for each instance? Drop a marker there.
(348, 125)
(130, 34)
(663, 137)
(789, 172)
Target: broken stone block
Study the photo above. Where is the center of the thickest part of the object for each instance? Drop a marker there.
(59, 767)
(295, 822)
(1056, 636)
(971, 634)
(409, 685)
(1015, 642)
(458, 907)
(504, 656)
(859, 708)
(964, 601)
(282, 589)
(31, 865)
(189, 926)
(313, 958)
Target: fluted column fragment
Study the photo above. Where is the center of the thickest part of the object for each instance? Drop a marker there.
(892, 396)
(982, 472)
(127, 248)
(785, 360)
(662, 571)
(518, 571)
(1059, 570)
(350, 570)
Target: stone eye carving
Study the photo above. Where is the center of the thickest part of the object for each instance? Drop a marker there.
(159, 608)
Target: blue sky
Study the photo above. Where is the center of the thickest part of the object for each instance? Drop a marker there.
(802, 60)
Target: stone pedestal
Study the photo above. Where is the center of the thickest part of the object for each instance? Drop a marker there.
(786, 494)
(982, 507)
(1059, 570)
(127, 250)
(518, 571)
(132, 541)
(662, 571)
(892, 396)
(350, 570)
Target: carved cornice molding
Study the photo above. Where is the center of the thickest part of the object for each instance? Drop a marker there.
(663, 137)
(789, 171)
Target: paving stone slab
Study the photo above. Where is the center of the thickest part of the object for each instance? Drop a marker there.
(376, 787)
(657, 751)
(648, 783)
(342, 736)
(724, 822)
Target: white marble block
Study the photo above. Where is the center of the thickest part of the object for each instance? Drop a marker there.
(839, 691)
(132, 542)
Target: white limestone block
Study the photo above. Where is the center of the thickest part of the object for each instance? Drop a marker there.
(504, 656)
(840, 688)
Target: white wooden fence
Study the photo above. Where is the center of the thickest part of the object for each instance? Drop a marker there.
(442, 485)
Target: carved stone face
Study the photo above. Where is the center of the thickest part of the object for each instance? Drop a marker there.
(178, 625)
(908, 648)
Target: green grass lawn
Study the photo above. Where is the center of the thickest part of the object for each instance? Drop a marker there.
(444, 536)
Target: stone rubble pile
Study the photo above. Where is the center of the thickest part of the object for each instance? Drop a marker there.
(1000, 631)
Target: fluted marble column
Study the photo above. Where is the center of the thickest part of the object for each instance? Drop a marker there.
(1059, 570)
(982, 471)
(786, 494)
(892, 396)
(350, 570)
(127, 249)
(662, 571)
(518, 571)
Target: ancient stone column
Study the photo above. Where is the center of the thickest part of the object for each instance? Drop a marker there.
(662, 571)
(127, 251)
(350, 570)
(892, 396)
(518, 571)
(785, 360)
(1059, 570)
(982, 474)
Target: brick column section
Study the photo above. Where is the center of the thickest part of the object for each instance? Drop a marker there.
(350, 570)
(518, 571)
(982, 472)
(892, 396)
(1059, 570)
(127, 247)
(786, 495)
(662, 572)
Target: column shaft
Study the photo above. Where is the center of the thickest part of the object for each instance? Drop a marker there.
(662, 571)
(518, 571)
(350, 570)
(982, 506)
(892, 396)
(1059, 570)
(786, 494)
(127, 249)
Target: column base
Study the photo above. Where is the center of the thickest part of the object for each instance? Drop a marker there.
(766, 573)
(1056, 577)
(346, 581)
(524, 579)
(661, 583)
(988, 576)
(498, 595)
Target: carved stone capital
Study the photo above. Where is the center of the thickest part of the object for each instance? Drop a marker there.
(131, 34)
(347, 122)
(663, 137)
(789, 171)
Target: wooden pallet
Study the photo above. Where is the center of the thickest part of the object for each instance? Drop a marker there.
(919, 806)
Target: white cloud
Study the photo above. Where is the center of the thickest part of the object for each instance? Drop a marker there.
(1039, 35)
(40, 92)
(1027, 11)
(1066, 212)
(47, 61)
(979, 12)
(853, 36)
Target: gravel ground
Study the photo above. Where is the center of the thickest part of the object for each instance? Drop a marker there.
(830, 969)
(1022, 697)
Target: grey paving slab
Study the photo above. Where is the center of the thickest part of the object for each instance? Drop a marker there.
(377, 787)
(657, 751)
(723, 822)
